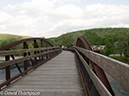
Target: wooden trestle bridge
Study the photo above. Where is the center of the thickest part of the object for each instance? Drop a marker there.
(46, 70)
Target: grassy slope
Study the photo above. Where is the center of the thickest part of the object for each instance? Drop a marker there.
(9, 36)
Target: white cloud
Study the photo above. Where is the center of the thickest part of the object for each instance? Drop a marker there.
(70, 11)
(4, 16)
(63, 1)
(11, 7)
(4, 20)
(45, 18)
(22, 12)
(38, 4)
(108, 15)
(121, 25)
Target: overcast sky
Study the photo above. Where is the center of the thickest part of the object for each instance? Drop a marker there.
(51, 18)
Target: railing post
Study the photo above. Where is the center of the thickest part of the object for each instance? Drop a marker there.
(46, 50)
(41, 43)
(25, 54)
(36, 46)
(7, 68)
(49, 55)
(41, 50)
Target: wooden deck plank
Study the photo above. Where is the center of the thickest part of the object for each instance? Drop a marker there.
(57, 77)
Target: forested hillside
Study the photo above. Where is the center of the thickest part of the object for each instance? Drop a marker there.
(116, 40)
(94, 36)
(8, 38)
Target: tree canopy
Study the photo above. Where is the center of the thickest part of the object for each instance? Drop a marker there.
(123, 43)
(67, 39)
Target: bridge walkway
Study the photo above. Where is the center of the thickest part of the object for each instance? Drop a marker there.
(57, 77)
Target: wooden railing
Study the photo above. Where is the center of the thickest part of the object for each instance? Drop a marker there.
(88, 83)
(101, 89)
(22, 59)
(118, 70)
(30, 59)
(92, 67)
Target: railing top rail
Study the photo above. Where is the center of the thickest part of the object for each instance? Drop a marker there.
(8, 46)
(12, 52)
(118, 70)
(22, 59)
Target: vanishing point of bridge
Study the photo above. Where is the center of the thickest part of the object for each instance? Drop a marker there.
(46, 70)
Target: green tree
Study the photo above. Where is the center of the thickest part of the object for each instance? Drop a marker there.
(75, 36)
(5, 42)
(92, 38)
(110, 48)
(123, 43)
(109, 42)
(67, 39)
